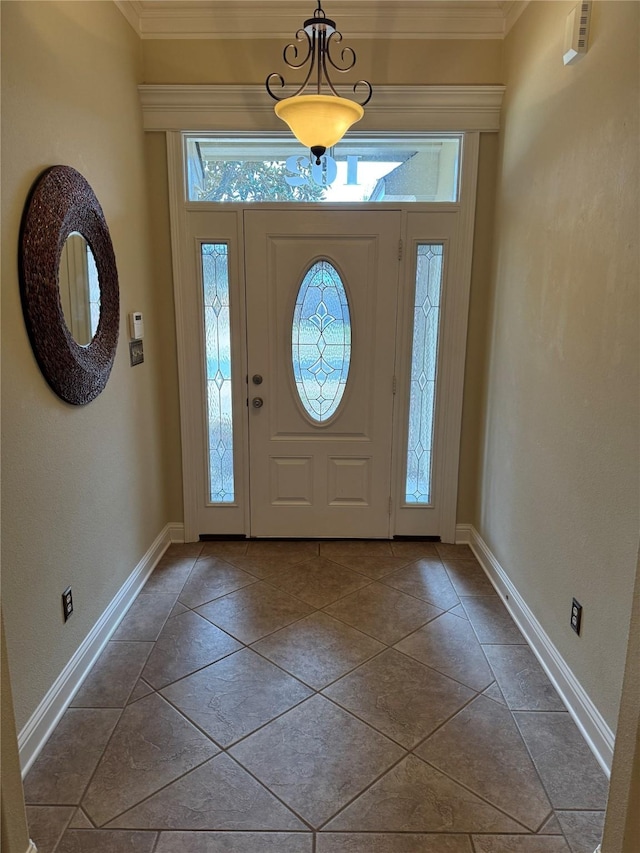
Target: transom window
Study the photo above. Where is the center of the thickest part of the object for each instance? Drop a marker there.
(402, 169)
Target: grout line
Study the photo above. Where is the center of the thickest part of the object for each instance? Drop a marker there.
(248, 643)
(546, 820)
(240, 739)
(364, 790)
(482, 797)
(315, 692)
(148, 797)
(65, 828)
(93, 773)
(272, 793)
(444, 722)
(446, 675)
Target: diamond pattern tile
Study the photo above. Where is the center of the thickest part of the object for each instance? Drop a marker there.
(235, 842)
(318, 581)
(342, 696)
(145, 618)
(64, 767)
(235, 696)
(399, 696)
(113, 677)
(482, 749)
(449, 645)
(383, 613)
(415, 797)
(521, 680)
(391, 842)
(254, 611)
(355, 548)
(217, 795)
(316, 758)
(211, 578)
(106, 841)
(582, 829)
(556, 747)
(151, 746)
(468, 578)
(46, 825)
(374, 567)
(491, 621)
(425, 579)
(187, 643)
(318, 649)
(170, 574)
(519, 844)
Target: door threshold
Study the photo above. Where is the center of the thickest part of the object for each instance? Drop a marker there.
(217, 537)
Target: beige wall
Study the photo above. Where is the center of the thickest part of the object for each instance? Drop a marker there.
(448, 62)
(85, 489)
(622, 825)
(559, 477)
(13, 819)
(479, 314)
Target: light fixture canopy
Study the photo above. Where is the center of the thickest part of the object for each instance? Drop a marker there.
(318, 121)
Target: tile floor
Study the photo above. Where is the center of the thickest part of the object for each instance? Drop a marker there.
(316, 697)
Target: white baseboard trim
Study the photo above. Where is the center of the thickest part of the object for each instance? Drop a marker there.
(176, 532)
(591, 723)
(44, 719)
(31, 848)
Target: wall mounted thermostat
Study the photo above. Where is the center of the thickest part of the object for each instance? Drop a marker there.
(136, 325)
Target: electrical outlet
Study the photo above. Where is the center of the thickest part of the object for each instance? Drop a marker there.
(67, 603)
(576, 616)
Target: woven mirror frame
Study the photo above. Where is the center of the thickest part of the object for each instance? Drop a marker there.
(60, 203)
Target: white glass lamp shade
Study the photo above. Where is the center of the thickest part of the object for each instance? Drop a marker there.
(319, 120)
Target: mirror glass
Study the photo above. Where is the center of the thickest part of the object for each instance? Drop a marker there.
(79, 288)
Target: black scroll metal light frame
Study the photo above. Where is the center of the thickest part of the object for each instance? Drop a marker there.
(318, 120)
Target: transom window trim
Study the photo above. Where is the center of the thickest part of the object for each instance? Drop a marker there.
(233, 108)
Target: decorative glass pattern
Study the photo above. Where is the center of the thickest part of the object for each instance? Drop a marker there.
(217, 336)
(321, 341)
(426, 321)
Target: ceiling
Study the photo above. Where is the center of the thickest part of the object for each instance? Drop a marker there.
(408, 19)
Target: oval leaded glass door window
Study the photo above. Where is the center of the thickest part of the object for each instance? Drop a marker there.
(321, 341)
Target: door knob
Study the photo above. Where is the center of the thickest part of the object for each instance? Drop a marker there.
(256, 379)
(257, 402)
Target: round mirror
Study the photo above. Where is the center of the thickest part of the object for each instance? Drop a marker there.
(69, 285)
(79, 288)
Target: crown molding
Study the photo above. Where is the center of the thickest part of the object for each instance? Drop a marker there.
(248, 109)
(512, 11)
(278, 19)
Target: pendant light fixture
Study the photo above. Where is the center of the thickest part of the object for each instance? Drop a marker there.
(318, 121)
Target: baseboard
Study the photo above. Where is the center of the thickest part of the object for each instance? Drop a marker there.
(31, 848)
(176, 532)
(57, 699)
(591, 723)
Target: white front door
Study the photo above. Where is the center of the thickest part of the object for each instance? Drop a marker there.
(321, 303)
(321, 375)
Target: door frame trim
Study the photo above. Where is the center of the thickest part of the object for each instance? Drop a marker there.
(465, 208)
